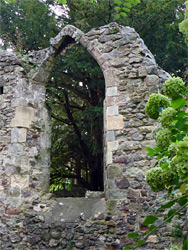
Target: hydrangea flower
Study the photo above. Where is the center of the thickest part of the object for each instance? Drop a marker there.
(163, 138)
(174, 87)
(154, 179)
(155, 102)
(166, 117)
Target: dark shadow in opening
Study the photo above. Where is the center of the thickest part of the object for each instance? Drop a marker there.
(1, 90)
(75, 94)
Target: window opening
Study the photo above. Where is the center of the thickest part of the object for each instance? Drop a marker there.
(75, 95)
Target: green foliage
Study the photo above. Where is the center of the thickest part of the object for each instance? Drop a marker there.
(155, 102)
(166, 117)
(124, 6)
(120, 6)
(75, 96)
(163, 138)
(183, 26)
(174, 88)
(177, 231)
(26, 25)
(173, 248)
(157, 22)
(172, 149)
(154, 179)
(182, 158)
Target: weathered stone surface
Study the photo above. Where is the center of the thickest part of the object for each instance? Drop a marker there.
(114, 171)
(18, 135)
(115, 122)
(112, 110)
(112, 91)
(24, 116)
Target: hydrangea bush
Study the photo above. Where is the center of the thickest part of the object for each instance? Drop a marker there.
(171, 151)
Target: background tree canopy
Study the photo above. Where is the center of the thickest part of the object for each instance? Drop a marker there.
(75, 91)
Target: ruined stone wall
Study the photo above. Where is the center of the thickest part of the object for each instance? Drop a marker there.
(24, 135)
(30, 219)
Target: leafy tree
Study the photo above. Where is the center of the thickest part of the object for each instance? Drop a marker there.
(75, 95)
(27, 25)
(157, 22)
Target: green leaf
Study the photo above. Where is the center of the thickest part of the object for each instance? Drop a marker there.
(117, 16)
(187, 88)
(149, 220)
(118, 2)
(186, 102)
(171, 213)
(151, 154)
(149, 149)
(181, 114)
(180, 137)
(178, 103)
(133, 235)
(159, 157)
(181, 122)
(123, 14)
(182, 201)
(157, 149)
(127, 247)
(141, 242)
(127, 5)
(185, 244)
(164, 166)
(126, 9)
(151, 228)
(168, 204)
(62, 1)
(117, 8)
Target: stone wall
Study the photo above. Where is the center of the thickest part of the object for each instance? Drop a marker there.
(24, 135)
(30, 217)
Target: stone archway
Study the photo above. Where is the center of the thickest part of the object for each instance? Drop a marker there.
(131, 74)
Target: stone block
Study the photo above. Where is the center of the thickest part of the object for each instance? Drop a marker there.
(152, 80)
(24, 116)
(18, 135)
(112, 110)
(142, 72)
(109, 158)
(114, 171)
(152, 239)
(110, 80)
(112, 91)
(110, 135)
(115, 194)
(115, 122)
(112, 146)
